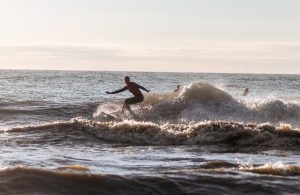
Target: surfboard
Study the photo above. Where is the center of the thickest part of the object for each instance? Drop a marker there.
(111, 115)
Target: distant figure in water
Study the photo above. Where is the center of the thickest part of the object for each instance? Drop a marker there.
(177, 89)
(136, 92)
(246, 92)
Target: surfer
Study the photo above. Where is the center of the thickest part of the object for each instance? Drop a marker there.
(246, 92)
(177, 89)
(136, 92)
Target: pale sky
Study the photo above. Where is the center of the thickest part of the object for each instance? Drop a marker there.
(250, 36)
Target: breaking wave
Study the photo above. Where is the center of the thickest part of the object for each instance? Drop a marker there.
(195, 103)
(273, 169)
(201, 101)
(277, 168)
(203, 133)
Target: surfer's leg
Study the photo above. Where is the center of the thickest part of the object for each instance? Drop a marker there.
(125, 106)
(133, 100)
(129, 101)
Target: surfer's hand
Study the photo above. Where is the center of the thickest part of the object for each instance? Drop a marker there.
(107, 92)
(148, 91)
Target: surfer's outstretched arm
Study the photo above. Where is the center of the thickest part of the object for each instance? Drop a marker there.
(143, 88)
(117, 91)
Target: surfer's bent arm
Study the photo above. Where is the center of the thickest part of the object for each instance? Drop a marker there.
(117, 91)
(143, 88)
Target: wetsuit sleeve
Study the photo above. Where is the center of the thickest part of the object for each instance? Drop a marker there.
(119, 91)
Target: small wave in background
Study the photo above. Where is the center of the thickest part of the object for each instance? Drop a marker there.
(79, 183)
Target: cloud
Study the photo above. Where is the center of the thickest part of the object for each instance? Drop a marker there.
(228, 50)
(211, 57)
(58, 51)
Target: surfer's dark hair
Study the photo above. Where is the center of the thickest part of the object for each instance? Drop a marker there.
(127, 77)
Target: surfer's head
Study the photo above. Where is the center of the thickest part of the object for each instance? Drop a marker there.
(127, 79)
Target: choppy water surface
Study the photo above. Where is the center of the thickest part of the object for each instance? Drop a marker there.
(206, 138)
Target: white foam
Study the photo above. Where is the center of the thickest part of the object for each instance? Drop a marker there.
(204, 92)
(201, 101)
(209, 132)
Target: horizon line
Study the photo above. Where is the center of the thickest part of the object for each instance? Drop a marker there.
(137, 71)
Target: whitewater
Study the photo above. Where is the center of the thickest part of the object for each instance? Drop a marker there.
(205, 138)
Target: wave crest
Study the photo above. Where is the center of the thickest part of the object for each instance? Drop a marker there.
(200, 101)
(273, 169)
(277, 168)
(148, 133)
(204, 92)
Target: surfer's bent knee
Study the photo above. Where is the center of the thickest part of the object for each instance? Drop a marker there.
(134, 100)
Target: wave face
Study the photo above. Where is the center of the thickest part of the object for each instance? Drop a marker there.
(37, 181)
(147, 133)
(200, 102)
(204, 92)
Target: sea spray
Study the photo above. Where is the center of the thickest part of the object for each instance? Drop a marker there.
(200, 102)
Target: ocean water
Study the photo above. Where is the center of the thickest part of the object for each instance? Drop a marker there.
(205, 139)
